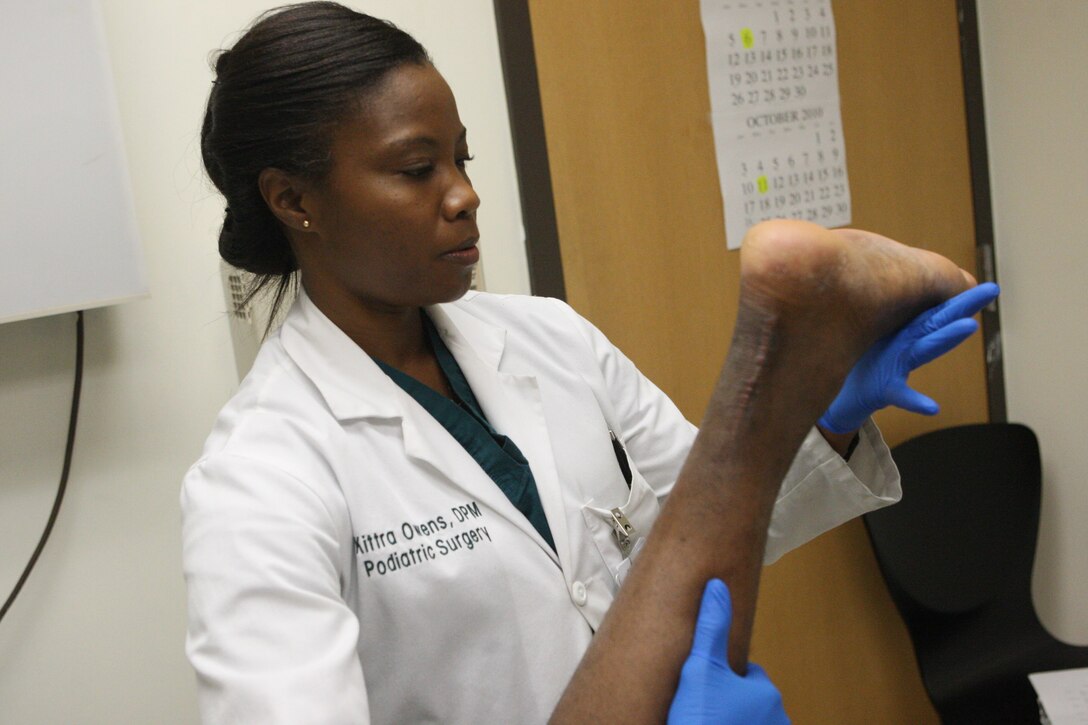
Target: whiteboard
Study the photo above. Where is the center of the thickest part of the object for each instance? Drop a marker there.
(68, 237)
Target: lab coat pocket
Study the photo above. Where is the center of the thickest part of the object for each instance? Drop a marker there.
(619, 531)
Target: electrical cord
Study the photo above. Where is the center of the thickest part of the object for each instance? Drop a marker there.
(69, 447)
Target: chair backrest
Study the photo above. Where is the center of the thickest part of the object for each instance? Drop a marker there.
(964, 533)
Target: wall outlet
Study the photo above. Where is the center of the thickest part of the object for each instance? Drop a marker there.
(248, 320)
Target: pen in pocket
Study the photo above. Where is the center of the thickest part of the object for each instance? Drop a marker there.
(621, 458)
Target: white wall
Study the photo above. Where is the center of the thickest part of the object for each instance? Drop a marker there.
(97, 634)
(1035, 60)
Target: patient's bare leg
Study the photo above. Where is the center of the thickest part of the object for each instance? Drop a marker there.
(811, 302)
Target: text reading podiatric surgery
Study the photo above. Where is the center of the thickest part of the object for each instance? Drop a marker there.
(416, 542)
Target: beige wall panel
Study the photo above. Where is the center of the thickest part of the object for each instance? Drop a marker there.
(627, 115)
(627, 118)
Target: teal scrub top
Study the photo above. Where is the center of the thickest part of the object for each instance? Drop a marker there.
(465, 421)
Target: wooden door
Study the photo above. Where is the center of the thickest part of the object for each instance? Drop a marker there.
(627, 122)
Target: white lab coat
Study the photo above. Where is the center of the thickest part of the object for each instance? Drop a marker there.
(348, 562)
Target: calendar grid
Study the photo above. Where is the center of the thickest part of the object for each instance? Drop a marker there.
(774, 93)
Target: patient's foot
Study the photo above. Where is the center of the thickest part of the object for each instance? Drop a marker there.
(815, 299)
(862, 285)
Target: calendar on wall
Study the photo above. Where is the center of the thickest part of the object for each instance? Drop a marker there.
(774, 98)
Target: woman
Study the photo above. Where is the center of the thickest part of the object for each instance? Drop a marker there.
(421, 502)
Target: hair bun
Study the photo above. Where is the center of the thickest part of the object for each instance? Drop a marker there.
(245, 243)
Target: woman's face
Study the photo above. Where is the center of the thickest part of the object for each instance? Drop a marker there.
(395, 221)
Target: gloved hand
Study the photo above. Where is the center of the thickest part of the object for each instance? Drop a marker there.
(709, 691)
(879, 378)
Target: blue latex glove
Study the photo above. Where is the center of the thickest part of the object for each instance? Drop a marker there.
(709, 691)
(879, 378)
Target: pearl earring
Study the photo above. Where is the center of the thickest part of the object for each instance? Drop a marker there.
(305, 223)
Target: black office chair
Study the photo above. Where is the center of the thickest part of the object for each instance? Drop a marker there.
(957, 555)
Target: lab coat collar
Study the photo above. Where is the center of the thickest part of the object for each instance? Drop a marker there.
(351, 383)
(461, 329)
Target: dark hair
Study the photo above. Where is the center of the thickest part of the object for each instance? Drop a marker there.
(278, 92)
